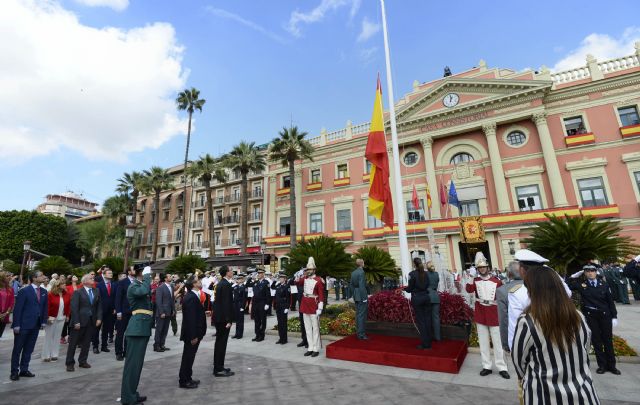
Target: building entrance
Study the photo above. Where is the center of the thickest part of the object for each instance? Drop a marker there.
(468, 252)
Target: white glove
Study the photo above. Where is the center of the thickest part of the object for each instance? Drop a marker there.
(637, 259)
(364, 301)
(577, 274)
(318, 312)
(241, 309)
(614, 322)
(320, 306)
(147, 270)
(286, 311)
(266, 307)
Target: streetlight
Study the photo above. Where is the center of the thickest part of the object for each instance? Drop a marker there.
(82, 259)
(263, 247)
(512, 247)
(26, 247)
(129, 232)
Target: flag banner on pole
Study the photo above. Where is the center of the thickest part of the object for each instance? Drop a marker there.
(414, 198)
(453, 195)
(380, 202)
(443, 193)
(429, 202)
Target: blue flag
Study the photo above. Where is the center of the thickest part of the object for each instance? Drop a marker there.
(453, 196)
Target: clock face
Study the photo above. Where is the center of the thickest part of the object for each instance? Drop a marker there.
(451, 100)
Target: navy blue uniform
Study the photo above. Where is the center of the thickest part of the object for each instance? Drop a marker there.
(239, 300)
(261, 297)
(281, 299)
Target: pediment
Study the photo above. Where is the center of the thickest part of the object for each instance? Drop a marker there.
(472, 92)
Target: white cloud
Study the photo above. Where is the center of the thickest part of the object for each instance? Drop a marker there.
(602, 47)
(247, 23)
(101, 92)
(117, 5)
(318, 13)
(368, 55)
(369, 29)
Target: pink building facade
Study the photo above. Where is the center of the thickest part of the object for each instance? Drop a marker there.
(516, 145)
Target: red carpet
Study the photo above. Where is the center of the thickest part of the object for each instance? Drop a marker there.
(445, 356)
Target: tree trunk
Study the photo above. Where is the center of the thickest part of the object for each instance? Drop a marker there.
(156, 225)
(186, 201)
(292, 203)
(207, 188)
(244, 214)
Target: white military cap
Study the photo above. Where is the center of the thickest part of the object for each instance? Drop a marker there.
(525, 255)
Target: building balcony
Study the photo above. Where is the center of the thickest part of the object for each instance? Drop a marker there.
(314, 186)
(343, 235)
(232, 219)
(218, 200)
(255, 194)
(373, 233)
(283, 191)
(232, 198)
(630, 131)
(255, 216)
(199, 205)
(197, 224)
(579, 139)
(345, 181)
(366, 177)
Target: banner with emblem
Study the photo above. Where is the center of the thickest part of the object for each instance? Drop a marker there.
(472, 229)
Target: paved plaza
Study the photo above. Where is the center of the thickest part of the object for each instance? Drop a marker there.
(268, 373)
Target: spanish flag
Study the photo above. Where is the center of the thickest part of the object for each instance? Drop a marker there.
(380, 203)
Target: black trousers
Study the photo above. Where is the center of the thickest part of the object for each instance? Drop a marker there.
(601, 338)
(282, 325)
(186, 365)
(220, 348)
(259, 319)
(65, 330)
(423, 321)
(2, 326)
(302, 329)
(238, 309)
(105, 330)
(80, 337)
(121, 327)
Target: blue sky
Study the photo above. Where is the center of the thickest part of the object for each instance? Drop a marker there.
(99, 102)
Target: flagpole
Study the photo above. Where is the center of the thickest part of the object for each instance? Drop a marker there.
(405, 259)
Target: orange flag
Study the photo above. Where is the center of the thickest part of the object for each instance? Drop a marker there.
(380, 203)
(414, 198)
(428, 197)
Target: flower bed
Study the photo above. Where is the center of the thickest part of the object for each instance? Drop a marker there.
(336, 319)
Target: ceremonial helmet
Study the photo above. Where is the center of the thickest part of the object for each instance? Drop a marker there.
(481, 261)
(311, 263)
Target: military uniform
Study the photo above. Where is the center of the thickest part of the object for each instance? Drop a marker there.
(502, 298)
(259, 306)
(619, 283)
(282, 298)
(137, 336)
(239, 300)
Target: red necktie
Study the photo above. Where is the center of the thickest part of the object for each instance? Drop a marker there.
(109, 289)
(38, 293)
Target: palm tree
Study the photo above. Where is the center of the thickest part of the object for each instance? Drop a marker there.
(244, 158)
(116, 209)
(156, 180)
(571, 242)
(287, 149)
(188, 100)
(130, 184)
(206, 169)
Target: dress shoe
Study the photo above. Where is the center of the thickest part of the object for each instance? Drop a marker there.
(158, 349)
(283, 343)
(14, 377)
(278, 342)
(195, 381)
(615, 371)
(224, 373)
(110, 340)
(46, 360)
(119, 357)
(228, 370)
(71, 368)
(302, 344)
(105, 349)
(96, 351)
(27, 374)
(363, 338)
(165, 349)
(314, 354)
(84, 365)
(260, 339)
(504, 375)
(423, 347)
(188, 385)
(600, 370)
(308, 353)
(141, 399)
(255, 339)
(54, 359)
(485, 372)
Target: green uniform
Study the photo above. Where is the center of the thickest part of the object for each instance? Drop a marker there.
(137, 336)
(620, 284)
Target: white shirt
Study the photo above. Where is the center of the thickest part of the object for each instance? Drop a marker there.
(170, 288)
(89, 293)
(61, 310)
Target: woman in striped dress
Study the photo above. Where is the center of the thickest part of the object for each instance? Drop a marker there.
(551, 345)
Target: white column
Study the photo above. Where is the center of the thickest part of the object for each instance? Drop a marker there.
(502, 194)
(427, 148)
(550, 161)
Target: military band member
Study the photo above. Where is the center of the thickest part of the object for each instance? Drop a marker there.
(281, 300)
(311, 306)
(239, 301)
(137, 335)
(260, 305)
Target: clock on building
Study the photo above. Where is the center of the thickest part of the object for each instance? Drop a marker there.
(451, 100)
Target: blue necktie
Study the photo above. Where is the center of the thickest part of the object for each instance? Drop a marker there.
(593, 284)
(91, 297)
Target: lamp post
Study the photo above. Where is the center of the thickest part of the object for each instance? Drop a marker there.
(263, 247)
(82, 259)
(26, 246)
(129, 232)
(512, 247)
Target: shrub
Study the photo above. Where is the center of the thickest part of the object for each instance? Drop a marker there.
(329, 254)
(622, 348)
(54, 264)
(186, 264)
(293, 324)
(390, 306)
(378, 264)
(334, 310)
(114, 263)
(473, 336)
(454, 309)
(344, 324)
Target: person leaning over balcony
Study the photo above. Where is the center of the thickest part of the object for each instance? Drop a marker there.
(434, 297)
(551, 345)
(419, 289)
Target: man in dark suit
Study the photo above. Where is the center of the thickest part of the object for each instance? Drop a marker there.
(29, 316)
(360, 296)
(85, 316)
(107, 290)
(239, 301)
(194, 327)
(165, 310)
(223, 310)
(123, 313)
(260, 305)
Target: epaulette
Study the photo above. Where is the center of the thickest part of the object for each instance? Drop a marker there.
(515, 288)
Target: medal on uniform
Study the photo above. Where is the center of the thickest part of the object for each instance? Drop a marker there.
(584, 285)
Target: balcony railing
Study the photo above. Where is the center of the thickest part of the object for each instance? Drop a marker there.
(197, 224)
(230, 242)
(199, 204)
(218, 200)
(255, 216)
(256, 193)
(232, 198)
(232, 219)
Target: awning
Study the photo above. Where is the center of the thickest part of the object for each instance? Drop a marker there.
(253, 249)
(230, 252)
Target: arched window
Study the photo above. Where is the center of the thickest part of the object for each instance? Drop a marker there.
(410, 159)
(516, 138)
(461, 157)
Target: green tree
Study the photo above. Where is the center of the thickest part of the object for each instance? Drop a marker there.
(10, 266)
(188, 100)
(207, 169)
(329, 254)
(378, 264)
(91, 237)
(245, 158)
(571, 242)
(47, 233)
(185, 264)
(54, 264)
(131, 184)
(157, 180)
(288, 148)
(72, 251)
(113, 262)
(116, 208)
